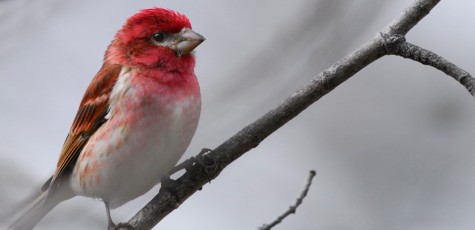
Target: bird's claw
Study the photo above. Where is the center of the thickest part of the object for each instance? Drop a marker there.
(120, 226)
(202, 159)
(205, 161)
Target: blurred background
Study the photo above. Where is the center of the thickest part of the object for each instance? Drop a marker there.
(393, 146)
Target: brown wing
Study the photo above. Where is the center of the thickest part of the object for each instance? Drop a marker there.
(90, 116)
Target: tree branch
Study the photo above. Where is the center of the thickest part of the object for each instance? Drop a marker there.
(292, 209)
(173, 193)
(410, 17)
(398, 46)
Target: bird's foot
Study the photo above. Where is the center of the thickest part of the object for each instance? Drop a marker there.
(202, 159)
(206, 162)
(120, 226)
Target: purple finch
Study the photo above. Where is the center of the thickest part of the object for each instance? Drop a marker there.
(136, 119)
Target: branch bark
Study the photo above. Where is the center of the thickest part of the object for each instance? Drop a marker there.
(404, 49)
(388, 42)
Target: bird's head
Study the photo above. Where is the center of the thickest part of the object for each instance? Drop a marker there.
(155, 38)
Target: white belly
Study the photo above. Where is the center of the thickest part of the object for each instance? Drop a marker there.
(140, 142)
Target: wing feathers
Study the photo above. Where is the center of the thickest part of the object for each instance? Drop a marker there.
(90, 116)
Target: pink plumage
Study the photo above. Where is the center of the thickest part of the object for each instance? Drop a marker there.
(135, 120)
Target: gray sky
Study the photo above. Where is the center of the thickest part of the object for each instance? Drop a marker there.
(393, 146)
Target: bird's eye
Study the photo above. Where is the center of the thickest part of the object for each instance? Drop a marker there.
(159, 37)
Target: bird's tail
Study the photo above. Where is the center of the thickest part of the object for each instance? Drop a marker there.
(35, 211)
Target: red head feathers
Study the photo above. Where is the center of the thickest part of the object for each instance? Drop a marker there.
(154, 38)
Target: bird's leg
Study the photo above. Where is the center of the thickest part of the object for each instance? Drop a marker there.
(110, 223)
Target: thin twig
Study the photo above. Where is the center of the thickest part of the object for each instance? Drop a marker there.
(292, 209)
(407, 50)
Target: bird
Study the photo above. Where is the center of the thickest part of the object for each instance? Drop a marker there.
(135, 120)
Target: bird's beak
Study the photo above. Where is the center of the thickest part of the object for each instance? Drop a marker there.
(187, 40)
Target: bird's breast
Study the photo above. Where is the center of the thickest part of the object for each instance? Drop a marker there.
(150, 124)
